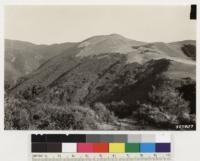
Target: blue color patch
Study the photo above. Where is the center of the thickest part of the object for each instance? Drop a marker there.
(147, 147)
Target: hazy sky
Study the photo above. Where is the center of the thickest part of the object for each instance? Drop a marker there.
(55, 24)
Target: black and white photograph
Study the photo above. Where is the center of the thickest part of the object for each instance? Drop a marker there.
(100, 67)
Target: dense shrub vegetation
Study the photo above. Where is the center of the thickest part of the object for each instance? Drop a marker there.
(189, 50)
(166, 105)
(23, 114)
(165, 108)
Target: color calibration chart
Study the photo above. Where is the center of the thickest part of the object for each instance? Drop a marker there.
(100, 147)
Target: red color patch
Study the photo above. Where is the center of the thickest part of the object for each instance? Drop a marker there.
(101, 147)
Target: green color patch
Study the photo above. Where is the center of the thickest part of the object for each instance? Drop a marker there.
(132, 147)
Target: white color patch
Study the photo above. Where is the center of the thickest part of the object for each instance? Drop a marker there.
(69, 147)
(163, 138)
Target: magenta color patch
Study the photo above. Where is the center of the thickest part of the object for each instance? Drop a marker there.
(85, 147)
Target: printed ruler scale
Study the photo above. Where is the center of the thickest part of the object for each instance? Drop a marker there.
(101, 157)
(148, 147)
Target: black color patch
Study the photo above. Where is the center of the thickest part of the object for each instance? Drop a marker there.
(193, 12)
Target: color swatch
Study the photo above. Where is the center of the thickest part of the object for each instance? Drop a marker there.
(69, 147)
(100, 147)
(84, 147)
(132, 147)
(116, 147)
(148, 143)
(147, 147)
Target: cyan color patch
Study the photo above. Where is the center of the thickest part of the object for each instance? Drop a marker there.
(147, 147)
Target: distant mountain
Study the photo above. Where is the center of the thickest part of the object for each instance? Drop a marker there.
(111, 69)
(21, 57)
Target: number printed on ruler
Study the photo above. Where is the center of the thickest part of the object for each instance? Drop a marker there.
(100, 157)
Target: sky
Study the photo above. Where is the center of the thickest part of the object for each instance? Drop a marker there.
(56, 24)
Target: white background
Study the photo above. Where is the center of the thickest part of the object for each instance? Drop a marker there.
(15, 145)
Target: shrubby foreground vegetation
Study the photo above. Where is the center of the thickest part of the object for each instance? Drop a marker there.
(20, 114)
(164, 108)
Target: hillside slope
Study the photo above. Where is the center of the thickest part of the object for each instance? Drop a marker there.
(21, 57)
(122, 74)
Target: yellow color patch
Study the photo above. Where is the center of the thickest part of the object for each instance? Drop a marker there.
(116, 147)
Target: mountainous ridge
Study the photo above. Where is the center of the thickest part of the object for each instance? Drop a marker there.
(139, 54)
(120, 73)
(28, 56)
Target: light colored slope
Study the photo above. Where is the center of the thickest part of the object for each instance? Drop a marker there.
(142, 55)
(168, 50)
(177, 46)
(183, 61)
(136, 51)
(106, 44)
(179, 70)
